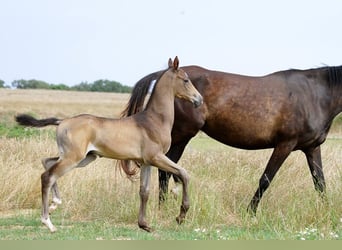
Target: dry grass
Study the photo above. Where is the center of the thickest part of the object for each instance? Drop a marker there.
(61, 103)
(223, 179)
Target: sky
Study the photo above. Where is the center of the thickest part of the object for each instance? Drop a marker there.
(74, 41)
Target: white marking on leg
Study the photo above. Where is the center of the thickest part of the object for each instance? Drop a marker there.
(52, 207)
(57, 201)
(176, 190)
(47, 222)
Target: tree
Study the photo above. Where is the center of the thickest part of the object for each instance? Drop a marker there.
(2, 84)
(97, 86)
(30, 84)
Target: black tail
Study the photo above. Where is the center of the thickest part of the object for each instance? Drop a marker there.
(30, 121)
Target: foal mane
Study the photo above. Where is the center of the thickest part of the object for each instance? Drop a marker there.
(139, 92)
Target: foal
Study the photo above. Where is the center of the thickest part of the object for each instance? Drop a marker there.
(144, 138)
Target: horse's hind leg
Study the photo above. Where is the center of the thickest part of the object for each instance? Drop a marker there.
(50, 176)
(313, 156)
(56, 199)
(48, 179)
(280, 153)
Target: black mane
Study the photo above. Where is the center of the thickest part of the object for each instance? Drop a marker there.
(139, 92)
(334, 75)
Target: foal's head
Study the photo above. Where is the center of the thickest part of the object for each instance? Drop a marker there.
(183, 87)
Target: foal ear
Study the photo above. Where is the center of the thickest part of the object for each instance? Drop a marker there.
(170, 63)
(175, 63)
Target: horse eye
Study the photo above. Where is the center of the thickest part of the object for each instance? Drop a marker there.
(186, 80)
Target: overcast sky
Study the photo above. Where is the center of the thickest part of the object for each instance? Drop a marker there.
(70, 41)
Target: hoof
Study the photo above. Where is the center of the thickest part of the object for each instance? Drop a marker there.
(146, 228)
(179, 220)
(50, 226)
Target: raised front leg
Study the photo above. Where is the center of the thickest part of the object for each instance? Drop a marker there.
(174, 154)
(313, 156)
(164, 163)
(280, 153)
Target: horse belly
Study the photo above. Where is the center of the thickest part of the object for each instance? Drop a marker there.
(118, 146)
(244, 135)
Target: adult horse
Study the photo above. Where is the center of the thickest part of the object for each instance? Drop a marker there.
(287, 110)
(144, 138)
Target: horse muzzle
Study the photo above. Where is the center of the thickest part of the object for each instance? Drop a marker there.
(198, 101)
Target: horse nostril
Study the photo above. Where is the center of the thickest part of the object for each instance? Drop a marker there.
(198, 101)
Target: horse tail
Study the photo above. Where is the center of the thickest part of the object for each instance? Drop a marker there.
(139, 92)
(130, 168)
(30, 121)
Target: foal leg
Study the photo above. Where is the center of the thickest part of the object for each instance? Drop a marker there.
(48, 179)
(56, 200)
(174, 154)
(280, 153)
(313, 156)
(162, 162)
(145, 177)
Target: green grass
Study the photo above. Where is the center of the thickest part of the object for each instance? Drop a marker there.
(9, 128)
(28, 227)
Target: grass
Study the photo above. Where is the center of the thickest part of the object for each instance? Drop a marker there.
(100, 203)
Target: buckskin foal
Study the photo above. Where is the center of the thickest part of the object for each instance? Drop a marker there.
(143, 138)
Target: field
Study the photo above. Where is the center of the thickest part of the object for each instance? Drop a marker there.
(99, 202)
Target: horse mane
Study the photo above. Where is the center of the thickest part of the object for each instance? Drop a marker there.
(139, 92)
(334, 76)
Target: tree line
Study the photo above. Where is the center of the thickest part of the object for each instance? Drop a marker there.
(96, 86)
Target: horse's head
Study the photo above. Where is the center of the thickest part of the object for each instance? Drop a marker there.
(183, 87)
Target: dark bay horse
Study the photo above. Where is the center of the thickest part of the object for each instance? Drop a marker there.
(287, 110)
(144, 138)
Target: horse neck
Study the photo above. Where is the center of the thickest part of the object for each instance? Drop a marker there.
(161, 103)
(335, 85)
(336, 100)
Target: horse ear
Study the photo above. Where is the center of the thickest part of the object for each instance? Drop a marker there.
(175, 63)
(170, 63)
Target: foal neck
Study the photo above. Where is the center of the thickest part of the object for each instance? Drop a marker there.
(161, 102)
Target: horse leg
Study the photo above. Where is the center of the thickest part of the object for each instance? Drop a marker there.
(50, 176)
(174, 154)
(56, 200)
(48, 179)
(313, 156)
(145, 177)
(280, 153)
(164, 178)
(162, 162)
